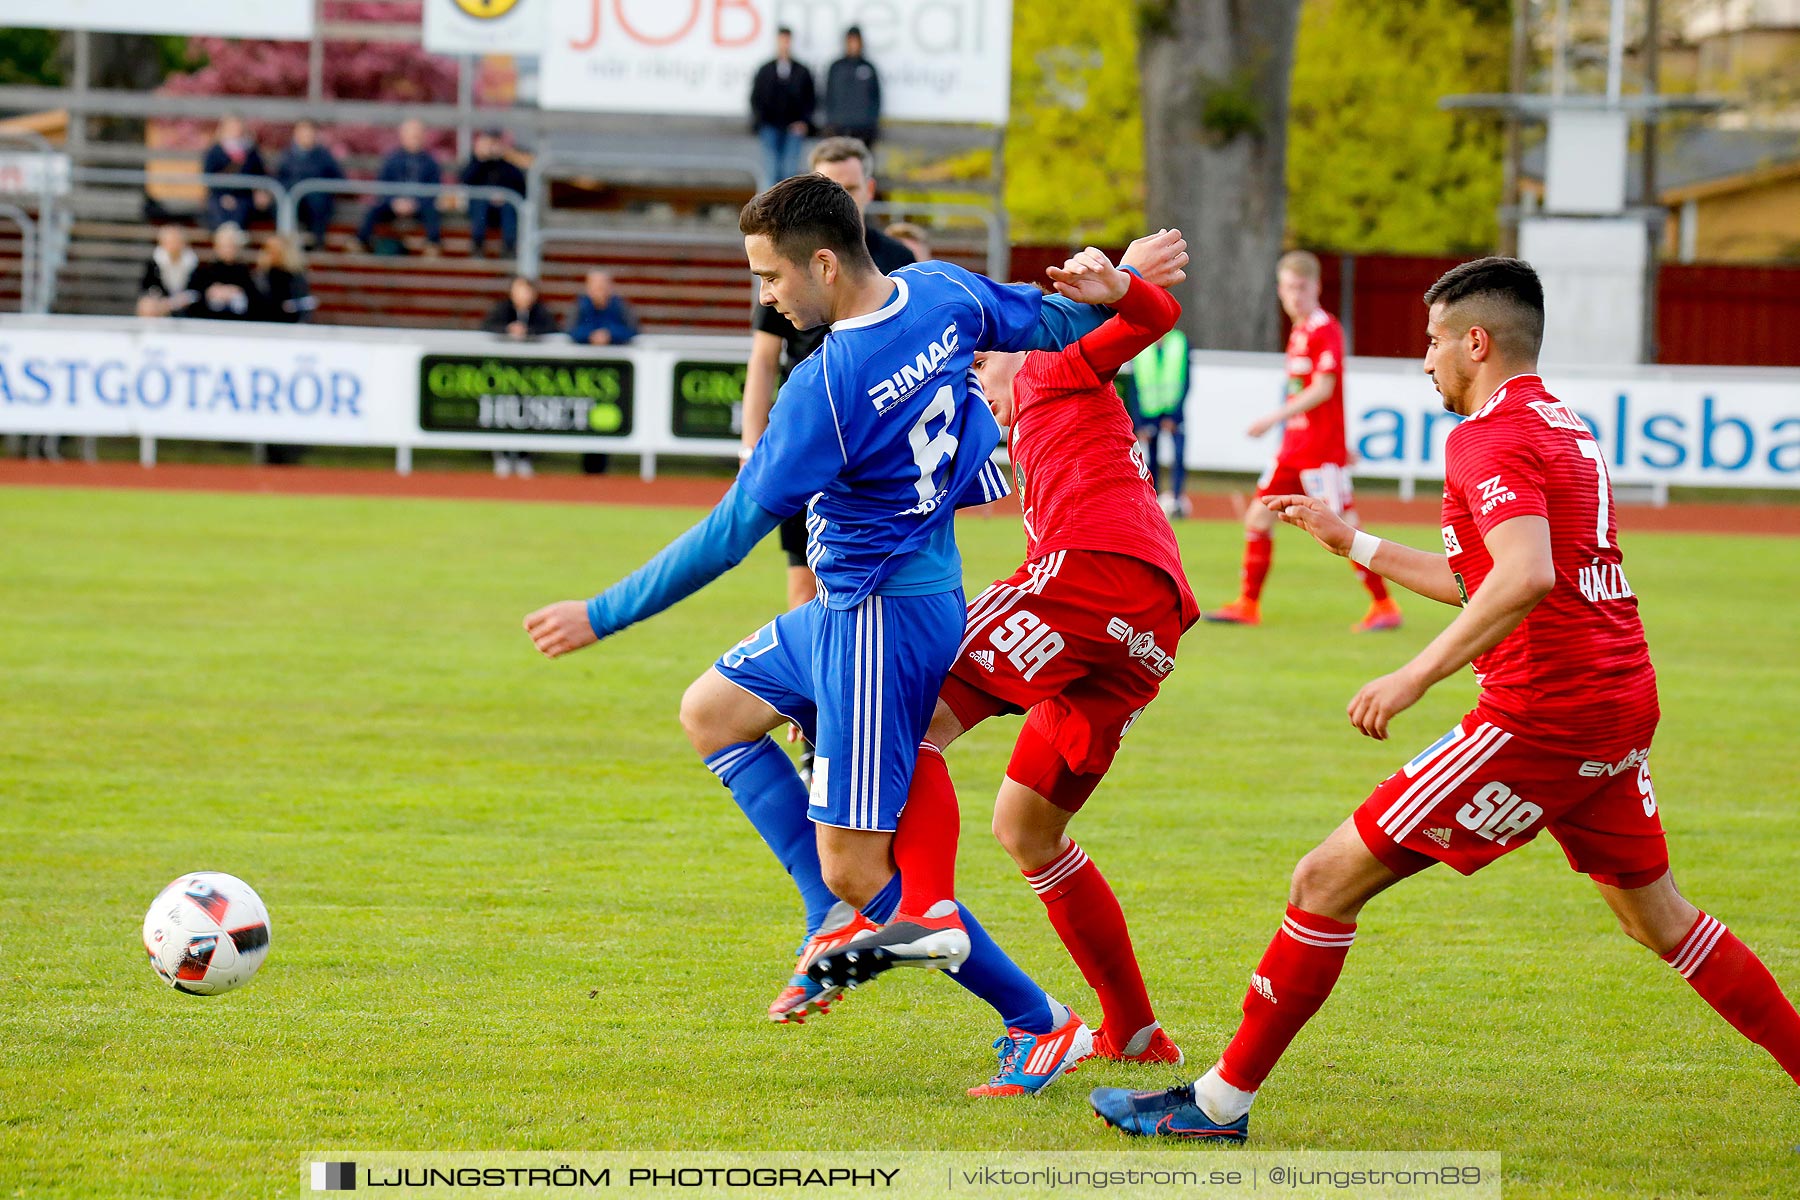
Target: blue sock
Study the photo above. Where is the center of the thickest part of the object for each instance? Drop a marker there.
(992, 976)
(881, 906)
(766, 786)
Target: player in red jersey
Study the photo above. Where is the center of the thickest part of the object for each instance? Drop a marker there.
(1079, 638)
(1559, 741)
(1313, 458)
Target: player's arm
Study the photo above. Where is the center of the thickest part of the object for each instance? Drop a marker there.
(687, 564)
(1523, 574)
(1019, 317)
(760, 375)
(1416, 570)
(1140, 319)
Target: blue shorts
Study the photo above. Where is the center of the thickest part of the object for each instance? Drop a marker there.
(862, 684)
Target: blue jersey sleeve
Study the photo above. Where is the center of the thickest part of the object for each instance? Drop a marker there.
(687, 564)
(803, 448)
(1017, 316)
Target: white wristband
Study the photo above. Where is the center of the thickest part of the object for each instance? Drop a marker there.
(1363, 547)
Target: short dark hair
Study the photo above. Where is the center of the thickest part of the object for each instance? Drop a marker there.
(807, 213)
(784, 31)
(855, 31)
(1502, 295)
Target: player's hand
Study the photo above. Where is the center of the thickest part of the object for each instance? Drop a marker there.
(1263, 424)
(1090, 278)
(556, 629)
(1160, 258)
(1381, 700)
(1315, 516)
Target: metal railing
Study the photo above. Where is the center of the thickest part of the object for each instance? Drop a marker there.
(39, 248)
(145, 178)
(29, 284)
(375, 187)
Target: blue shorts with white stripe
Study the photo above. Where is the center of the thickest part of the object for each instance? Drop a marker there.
(862, 683)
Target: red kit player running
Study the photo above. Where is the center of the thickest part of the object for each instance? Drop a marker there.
(1079, 638)
(1559, 741)
(1313, 458)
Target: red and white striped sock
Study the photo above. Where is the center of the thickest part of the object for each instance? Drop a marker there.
(1730, 977)
(1087, 917)
(1296, 974)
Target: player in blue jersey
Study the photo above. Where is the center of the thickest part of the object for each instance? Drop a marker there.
(877, 439)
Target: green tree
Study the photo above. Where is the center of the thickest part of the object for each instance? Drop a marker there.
(1373, 163)
(1075, 146)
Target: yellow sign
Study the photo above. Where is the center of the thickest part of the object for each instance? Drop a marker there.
(486, 10)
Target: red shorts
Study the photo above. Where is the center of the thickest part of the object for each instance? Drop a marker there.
(1080, 639)
(1330, 483)
(1480, 792)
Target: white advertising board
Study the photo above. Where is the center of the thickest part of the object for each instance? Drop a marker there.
(940, 60)
(282, 20)
(484, 26)
(178, 381)
(1699, 426)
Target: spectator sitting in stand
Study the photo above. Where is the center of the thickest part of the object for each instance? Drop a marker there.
(226, 286)
(521, 314)
(488, 166)
(602, 316)
(853, 94)
(913, 237)
(233, 153)
(411, 162)
(281, 291)
(306, 158)
(164, 291)
(781, 108)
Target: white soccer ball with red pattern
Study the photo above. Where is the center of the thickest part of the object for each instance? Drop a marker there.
(207, 933)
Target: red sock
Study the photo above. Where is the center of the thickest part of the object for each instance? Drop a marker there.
(1088, 919)
(1258, 549)
(1296, 973)
(925, 838)
(1376, 584)
(1730, 977)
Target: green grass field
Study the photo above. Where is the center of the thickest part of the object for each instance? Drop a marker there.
(511, 911)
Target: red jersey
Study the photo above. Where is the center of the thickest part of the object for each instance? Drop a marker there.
(1075, 459)
(1576, 672)
(1315, 438)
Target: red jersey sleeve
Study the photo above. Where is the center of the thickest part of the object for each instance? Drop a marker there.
(1496, 473)
(1139, 320)
(1325, 346)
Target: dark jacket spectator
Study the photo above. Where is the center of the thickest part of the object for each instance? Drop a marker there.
(782, 100)
(226, 286)
(233, 153)
(281, 291)
(165, 289)
(853, 93)
(306, 158)
(521, 313)
(489, 167)
(411, 162)
(783, 92)
(602, 317)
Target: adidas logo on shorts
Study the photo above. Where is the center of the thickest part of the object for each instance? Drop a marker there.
(984, 657)
(1440, 836)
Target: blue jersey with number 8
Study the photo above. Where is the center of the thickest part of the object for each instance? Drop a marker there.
(879, 431)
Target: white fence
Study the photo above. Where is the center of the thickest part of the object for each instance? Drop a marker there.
(218, 381)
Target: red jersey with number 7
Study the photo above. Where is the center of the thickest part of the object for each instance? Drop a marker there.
(1576, 672)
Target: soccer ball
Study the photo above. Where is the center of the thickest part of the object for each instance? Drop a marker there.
(206, 933)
